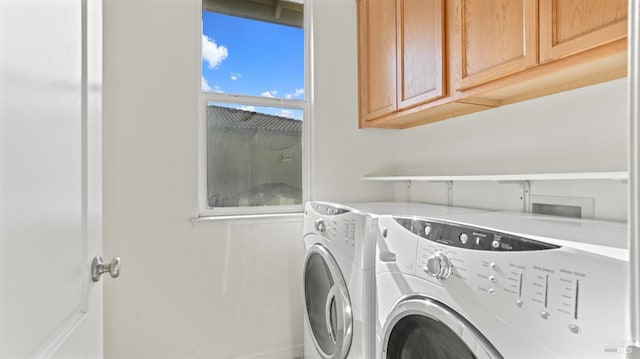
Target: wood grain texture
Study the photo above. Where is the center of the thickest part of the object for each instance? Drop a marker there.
(481, 71)
(377, 58)
(570, 26)
(421, 55)
(498, 38)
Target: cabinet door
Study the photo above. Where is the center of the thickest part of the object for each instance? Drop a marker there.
(377, 57)
(420, 37)
(570, 26)
(498, 38)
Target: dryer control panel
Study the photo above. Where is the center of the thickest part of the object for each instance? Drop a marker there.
(342, 229)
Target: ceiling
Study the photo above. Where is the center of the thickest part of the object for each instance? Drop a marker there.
(284, 12)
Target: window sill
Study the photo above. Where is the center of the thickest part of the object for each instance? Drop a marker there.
(246, 219)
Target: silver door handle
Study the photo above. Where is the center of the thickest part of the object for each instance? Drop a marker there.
(331, 298)
(98, 268)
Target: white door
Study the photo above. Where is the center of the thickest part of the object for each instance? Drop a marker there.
(50, 178)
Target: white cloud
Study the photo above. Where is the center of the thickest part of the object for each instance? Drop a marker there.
(234, 76)
(205, 85)
(246, 108)
(212, 53)
(289, 114)
(217, 89)
(297, 93)
(270, 94)
(286, 113)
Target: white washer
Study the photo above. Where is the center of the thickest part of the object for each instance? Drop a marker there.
(339, 275)
(501, 285)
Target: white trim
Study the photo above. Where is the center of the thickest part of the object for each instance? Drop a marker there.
(248, 219)
(251, 100)
(575, 176)
(634, 166)
(308, 128)
(291, 352)
(60, 335)
(307, 139)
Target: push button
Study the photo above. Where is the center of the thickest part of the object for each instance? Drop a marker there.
(427, 230)
(464, 238)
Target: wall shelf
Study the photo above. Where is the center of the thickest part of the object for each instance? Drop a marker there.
(571, 176)
(524, 180)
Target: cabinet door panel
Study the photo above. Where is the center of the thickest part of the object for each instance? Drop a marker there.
(377, 48)
(420, 51)
(499, 37)
(570, 26)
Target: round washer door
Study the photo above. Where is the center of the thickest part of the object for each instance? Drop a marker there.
(423, 328)
(328, 307)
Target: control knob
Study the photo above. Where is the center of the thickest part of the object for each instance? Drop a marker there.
(320, 226)
(439, 266)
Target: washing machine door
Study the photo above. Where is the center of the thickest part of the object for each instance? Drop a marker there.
(328, 307)
(423, 328)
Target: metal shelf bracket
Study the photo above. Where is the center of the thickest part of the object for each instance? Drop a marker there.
(450, 193)
(526, 193)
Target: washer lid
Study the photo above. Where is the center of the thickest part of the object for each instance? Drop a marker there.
(328, 306)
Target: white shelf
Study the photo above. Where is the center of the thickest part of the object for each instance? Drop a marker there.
(574, 176)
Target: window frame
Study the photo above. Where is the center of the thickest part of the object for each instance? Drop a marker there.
(204, 211)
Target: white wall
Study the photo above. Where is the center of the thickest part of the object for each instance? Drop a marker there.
(576, 131)
(228, 290)
(233, 289)
(342, 153)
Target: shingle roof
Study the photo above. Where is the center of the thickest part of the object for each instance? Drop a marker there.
(234, 120)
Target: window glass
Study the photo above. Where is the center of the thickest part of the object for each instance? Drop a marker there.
(251, 57)
(254, 156)
(254, 100)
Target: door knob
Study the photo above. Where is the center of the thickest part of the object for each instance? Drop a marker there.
(98, 268)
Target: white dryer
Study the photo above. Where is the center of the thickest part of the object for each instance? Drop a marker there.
(338, 275)
(501, 285)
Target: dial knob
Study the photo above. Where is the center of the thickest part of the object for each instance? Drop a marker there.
(438, 265)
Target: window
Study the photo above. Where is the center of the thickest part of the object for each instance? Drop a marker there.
(253, 107)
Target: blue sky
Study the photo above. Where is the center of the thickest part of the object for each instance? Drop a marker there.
(248, 57)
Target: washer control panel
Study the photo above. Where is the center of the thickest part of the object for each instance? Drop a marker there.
(470, 237)
(549, 291)
(326, 209)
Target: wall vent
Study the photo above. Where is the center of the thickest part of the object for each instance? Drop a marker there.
(564, 206)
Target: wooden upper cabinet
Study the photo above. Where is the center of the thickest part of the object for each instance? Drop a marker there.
(377, 58)
(426, 60)
(571, 26)
(401, 55)
(498, 38)
(420, 51)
